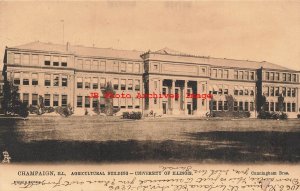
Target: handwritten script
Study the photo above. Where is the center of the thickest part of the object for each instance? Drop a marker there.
(166, 178)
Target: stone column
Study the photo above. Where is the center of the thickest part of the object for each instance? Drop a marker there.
(184, 96)
(199, 101)
(173, 92)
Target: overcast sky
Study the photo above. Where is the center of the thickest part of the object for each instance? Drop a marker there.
(261, 31)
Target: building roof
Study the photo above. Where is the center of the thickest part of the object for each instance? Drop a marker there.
(223, 62)
(81, 50)
(136, 55)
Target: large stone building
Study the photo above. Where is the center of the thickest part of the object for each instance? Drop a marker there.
(66, 74)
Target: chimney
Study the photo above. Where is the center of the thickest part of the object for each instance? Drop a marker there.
(68, 46)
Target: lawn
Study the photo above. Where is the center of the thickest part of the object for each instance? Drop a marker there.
(94, 139)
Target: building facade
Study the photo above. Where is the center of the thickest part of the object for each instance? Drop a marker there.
(65, 74)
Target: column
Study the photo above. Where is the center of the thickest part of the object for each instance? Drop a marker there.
(199, 101)
(173, 92)
(184, 95)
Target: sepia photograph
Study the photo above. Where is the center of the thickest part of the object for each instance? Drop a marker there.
(117, 81)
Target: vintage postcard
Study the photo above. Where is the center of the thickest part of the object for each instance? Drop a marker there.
(149, 96)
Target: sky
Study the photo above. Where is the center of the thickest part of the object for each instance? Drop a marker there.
(259, 31)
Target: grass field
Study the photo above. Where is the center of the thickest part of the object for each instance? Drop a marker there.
(94, 139)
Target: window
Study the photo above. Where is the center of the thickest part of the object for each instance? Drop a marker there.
(164, 91)
(64, 100)
(116, 67)
(55, 99)
(266, 91)
(277, 91)
(277, 76)
(102, 83)
(17, 58)
(86, 101)
(137, 85)
(80, 64)
(293, 107)
(64, 80)
(251, 75)
(47, 80)
(241, 92)
(155, 100)
(246, 106)
(226, 74)
(35, 59)
(130, 84)
(95, 103)
(235, 106)
(272, 76)
(203, 102)
(26, 98)
(95, 65)
(129, 67)
(288, 107)
(272, 91)
(284, 106)
(155, 66)
(123, 84)
(55, 80)
(155, 85)
(203, 87)
(220, 91)
(102, 65)
(25, 59)
(235, 74)
(16, 78)
(116, 84)
(95, 83)
(251, 106)
(225, 91)
(293, 92)
(87, 65)
(87, 83)
(283, 91)
(236, 92)
(79, 83)
(289, 77)
(289, 92)
(79, 101)
(122, 103)
(47, 100)
(251, 92)
(129, 103)
(294, 78)
(123, 67)
(241, 108)
(214, 73)
(267, 75)
(25, 79)
(214, 105)
(176, 93)
(246, 92)
(34, 99)
(241, 75)
(115, 103)
(266, 106)
(55, 61)
(246, 75)
(64, 61)
(136, 68)
(276, 106)
(203, 70)
(35, 80)
(220, 105)
(225, 106)
(220, 73)
(284, 76)
(137, 103)
(272, 106)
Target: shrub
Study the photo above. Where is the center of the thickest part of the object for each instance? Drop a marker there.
(272, 115)
(298, 116)
(64, 111)
(236, 114)
(132, 115)
(23, 110)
